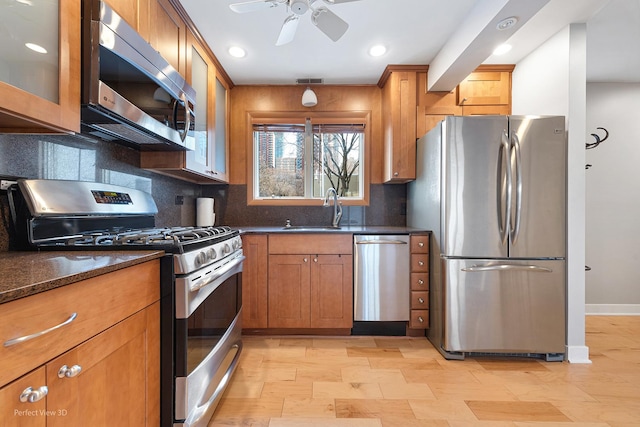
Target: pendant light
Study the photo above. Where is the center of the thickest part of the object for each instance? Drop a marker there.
(309, 98)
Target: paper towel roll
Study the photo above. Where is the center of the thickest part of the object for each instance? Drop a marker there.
(204, 212)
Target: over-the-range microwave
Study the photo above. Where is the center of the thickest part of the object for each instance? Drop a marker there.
(130, 93)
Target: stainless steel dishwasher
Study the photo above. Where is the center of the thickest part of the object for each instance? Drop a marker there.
(381, 288)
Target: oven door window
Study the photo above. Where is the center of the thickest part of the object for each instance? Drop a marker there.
(207, 325)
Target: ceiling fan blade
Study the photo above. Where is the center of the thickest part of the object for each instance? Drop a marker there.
(288, 30)
(329, 23)
(252, 6)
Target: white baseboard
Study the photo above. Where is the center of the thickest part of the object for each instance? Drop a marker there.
(578, 354)
(613, 309)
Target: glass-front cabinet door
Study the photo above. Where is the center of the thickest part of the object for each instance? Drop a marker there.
(40, 66)
(201, 75)
(221, 158)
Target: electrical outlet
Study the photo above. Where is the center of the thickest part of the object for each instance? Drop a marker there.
(179, 200)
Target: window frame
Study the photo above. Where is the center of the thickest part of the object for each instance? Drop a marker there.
(337, 117)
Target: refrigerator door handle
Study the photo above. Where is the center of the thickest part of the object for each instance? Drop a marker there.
(504, 188)
(516, 153)
(506, 267)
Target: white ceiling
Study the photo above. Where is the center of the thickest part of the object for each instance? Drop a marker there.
(414, 32)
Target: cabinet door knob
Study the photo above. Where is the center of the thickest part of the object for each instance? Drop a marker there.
(421, 244)
(69, 372)
(305, 260)
(396, 174)
(30, 395)
(315, 260)
(421, 300)
(420, 282)
(420, 263)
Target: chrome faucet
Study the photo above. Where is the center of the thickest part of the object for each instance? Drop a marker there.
(337, 206)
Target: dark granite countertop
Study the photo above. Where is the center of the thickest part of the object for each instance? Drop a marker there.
(350, 229)
(27, 273)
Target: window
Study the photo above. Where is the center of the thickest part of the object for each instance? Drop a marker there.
(296, 160)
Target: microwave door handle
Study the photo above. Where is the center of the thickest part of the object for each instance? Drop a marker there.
(187, 117)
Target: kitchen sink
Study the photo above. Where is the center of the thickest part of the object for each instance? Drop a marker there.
(311, 228)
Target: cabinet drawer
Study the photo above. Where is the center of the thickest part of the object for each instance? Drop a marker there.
(420, 243)
(314, 244)
(419, 281)
(419, 300)
(419, 319)
(420, 262)
(98, 303)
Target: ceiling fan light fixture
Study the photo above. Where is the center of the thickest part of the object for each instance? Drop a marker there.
(299, 7)
(309, 98)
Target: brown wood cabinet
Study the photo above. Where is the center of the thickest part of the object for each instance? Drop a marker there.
(136, 13)
(206, 164)
(168, 34)
(45, 97)
(310, 282)
(254, 281)
(419, 281)
(399, 103)
(104, 360)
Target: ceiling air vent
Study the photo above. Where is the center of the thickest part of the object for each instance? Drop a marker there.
(309, 81)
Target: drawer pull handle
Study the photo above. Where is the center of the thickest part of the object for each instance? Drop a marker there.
(420, 319)
(421, 263)
(30, 395)
(421, 300)
(69, 372)
(421, 244)
(38, 334)
(420, 282)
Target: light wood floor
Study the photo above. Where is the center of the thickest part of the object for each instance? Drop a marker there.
(404, 382)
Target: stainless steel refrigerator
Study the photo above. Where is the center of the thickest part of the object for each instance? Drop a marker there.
(493, 191)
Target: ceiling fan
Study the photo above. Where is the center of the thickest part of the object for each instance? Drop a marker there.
(328, 22)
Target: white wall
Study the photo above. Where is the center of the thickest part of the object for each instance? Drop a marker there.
(552, 81)
(613, 199)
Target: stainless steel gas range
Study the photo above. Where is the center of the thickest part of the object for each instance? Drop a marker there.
(201, 280)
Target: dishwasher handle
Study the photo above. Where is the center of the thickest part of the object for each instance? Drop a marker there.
(380, 242)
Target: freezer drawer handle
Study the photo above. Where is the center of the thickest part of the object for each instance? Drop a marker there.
(507, 267)
(381, 242)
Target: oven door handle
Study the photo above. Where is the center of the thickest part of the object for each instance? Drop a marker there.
(220, 272)
(203, 409)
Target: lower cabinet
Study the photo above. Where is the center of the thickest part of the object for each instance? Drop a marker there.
(110, 378)
(310, 291)
(419, 318)
(297, 281)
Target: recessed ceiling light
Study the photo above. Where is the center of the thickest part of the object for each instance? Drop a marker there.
(377, 50)
(237, 52)
(507, 23)
(502, 49)
(36, 48)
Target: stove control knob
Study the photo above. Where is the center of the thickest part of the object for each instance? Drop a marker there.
(227, 249)
(211, 254)
(200, 259)
(236, 245)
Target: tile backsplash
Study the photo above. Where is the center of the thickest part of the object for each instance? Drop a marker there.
(85, 159)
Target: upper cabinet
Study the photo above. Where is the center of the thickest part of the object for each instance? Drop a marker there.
(207, 163)
(136, 13)
(486, 91)
(399, 103)
(40, 89)
(409, 110)
(168, 34)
